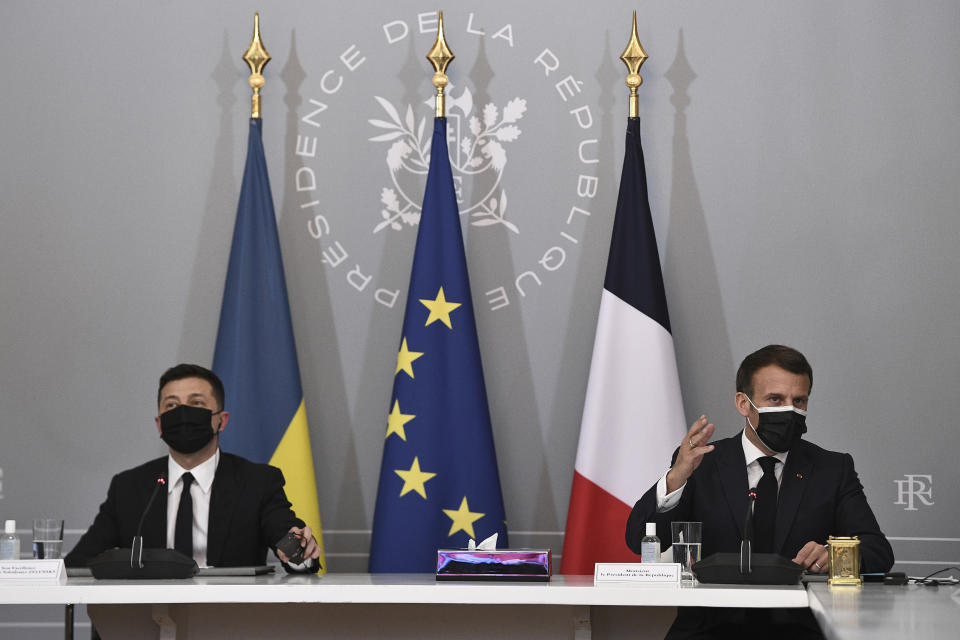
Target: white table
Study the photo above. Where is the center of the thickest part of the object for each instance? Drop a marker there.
(881, 611)
(409, 606)
(398, 606)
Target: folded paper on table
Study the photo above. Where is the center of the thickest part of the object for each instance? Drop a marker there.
(47, 570)
(637, 572)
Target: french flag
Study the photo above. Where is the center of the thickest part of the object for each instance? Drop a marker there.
(633, 414)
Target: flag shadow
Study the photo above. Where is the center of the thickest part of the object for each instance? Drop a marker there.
(197, 334)
(588, 284)
(324, 388)
(701, 338)
(379, 357)
(517, 426)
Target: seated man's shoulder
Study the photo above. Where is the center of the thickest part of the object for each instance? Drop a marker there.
(247, 467)
(155, 467)
(816, 452)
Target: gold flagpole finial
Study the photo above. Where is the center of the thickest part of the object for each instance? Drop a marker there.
(440, 56)
(634, 56)
(256, 58)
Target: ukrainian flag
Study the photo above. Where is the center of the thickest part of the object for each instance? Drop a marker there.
(256, 356)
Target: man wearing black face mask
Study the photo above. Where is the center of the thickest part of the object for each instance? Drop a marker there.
(805, 493)
(218, 508)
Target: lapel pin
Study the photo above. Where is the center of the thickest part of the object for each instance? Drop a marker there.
(800, 476)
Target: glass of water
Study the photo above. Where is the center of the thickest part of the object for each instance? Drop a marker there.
(686, 546)
(47, 538)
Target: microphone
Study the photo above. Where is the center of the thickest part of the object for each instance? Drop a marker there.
(745, 568)
(136, 548)
(746, 545)
(137, 562)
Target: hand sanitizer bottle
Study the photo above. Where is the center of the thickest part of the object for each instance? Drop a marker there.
(650, 544)
(9, 542)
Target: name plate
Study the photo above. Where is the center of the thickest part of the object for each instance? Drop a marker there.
(637, 572)
(45, 570)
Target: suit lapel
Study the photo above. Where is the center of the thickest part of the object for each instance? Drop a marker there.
(222, 503)
(793, 483)
(732, 469)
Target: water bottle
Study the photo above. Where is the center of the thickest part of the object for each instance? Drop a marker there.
(650, 544)
(9, 542)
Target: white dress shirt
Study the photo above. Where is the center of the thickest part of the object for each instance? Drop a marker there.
(667, 501)
(200, 492)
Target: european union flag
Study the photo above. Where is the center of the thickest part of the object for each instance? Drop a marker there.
(439, 484)
(256, 356)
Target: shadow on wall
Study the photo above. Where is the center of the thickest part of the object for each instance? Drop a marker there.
(704, 360)
(330, 430)
(589, 281)
(371, 411)
(511, 394)
(221, 203)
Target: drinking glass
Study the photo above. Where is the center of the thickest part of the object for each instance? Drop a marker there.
(47, 538)
(686, 546)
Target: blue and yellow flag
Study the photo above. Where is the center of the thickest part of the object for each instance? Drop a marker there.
(256, 356)
(439, 484)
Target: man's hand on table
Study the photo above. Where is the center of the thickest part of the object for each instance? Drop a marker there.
(813, 557)
(311, 550)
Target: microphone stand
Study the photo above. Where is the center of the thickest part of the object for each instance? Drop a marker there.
(136, 547)
(746, 545)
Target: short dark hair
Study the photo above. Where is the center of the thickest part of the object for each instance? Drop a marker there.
(182, 371)
(786, 358)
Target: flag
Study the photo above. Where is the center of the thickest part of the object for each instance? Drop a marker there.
(633, 414)
(256, 356)
(439, 484)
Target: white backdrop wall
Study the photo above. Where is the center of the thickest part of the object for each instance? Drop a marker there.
(802, 161)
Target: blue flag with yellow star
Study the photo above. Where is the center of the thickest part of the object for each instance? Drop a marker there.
(439, 484)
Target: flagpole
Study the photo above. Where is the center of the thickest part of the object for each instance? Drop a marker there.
(634, 56)
(256, 58)
(440, 56)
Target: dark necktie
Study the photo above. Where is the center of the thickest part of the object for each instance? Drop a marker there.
(183, 531)
(765, 509)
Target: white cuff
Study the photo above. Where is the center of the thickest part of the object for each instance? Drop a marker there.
(667, 501)
(302, 567)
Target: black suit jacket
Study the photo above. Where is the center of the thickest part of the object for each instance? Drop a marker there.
(249, 513)
(820, 495)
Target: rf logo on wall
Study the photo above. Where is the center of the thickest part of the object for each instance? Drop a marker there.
(914, 488)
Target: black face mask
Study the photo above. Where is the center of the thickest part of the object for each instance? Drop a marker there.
(186, 429)
(779, 428)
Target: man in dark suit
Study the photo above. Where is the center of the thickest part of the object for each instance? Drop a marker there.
(221, 509)
(805, 494)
